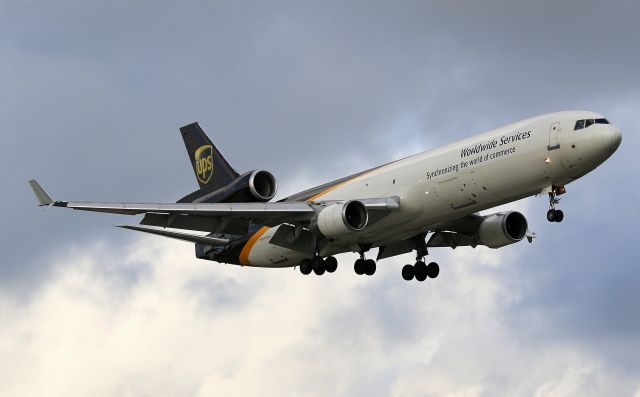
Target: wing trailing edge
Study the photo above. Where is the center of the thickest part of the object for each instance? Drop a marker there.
(194, 238)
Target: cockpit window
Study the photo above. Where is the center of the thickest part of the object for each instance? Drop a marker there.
(580, 124)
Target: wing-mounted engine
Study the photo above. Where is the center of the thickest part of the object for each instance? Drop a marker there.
(253, 186)
(494, 231)
(338, 219)
(498, 230)
(332, 220)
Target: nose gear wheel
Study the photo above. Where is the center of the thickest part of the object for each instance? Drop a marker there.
(555, 215)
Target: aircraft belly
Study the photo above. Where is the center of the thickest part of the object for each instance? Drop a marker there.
(264, 254)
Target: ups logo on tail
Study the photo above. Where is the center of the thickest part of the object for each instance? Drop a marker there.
(204, 163)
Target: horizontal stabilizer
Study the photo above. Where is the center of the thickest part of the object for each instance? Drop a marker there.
(43, 197)
(194, 238)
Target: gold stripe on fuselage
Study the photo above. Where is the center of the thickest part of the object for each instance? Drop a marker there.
(246, 250)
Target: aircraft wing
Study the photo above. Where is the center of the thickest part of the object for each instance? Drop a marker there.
(254, 211)
(226, 217)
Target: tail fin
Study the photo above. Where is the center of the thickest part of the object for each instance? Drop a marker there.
(211, 169)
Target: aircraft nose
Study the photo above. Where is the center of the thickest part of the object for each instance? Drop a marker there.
(615, 139)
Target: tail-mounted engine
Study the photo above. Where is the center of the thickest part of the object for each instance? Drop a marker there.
(252, 186)
(262, 185)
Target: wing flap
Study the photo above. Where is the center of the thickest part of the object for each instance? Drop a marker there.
(190, 222)
(196, 222)
(194, 238)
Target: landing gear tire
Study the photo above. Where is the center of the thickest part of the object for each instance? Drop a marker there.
(317, 264)
(408, 272)
(331, 264)
(359, 267)
(559, 216)
(420, 270)
(433, 270)
(554, 215)
(305, 266)
(369, 267)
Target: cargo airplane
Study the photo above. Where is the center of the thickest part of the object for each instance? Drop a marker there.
(427, 200)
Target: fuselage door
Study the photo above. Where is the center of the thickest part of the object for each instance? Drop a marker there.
(553, 136)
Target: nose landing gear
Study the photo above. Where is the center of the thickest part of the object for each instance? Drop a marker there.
(555, 215)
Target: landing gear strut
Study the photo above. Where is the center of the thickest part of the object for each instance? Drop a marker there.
(554, 215)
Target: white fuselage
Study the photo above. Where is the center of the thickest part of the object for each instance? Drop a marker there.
(475, 174)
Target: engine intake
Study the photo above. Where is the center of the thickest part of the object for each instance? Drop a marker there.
(262, 185)
(498, 230)
(342, 218)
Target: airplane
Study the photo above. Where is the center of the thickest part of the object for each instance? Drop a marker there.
(428, 200)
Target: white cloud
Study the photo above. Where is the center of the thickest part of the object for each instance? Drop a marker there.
(148, 319)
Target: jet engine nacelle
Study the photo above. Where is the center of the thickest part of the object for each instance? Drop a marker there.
(262, 185)
(339, 219)
(257, 185)
(498, 230)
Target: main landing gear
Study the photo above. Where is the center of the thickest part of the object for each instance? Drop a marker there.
(554, 215)
(364, 266)
(318, 265)
(420, 271)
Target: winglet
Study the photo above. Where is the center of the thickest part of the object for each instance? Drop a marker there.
(42, 196)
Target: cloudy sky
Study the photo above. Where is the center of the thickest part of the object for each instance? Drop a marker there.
(92, 94)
